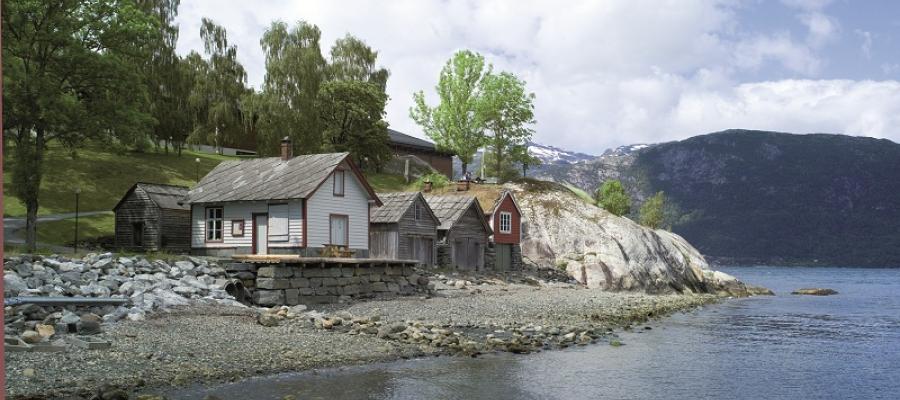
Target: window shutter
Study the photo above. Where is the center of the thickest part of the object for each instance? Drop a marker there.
(278, 222)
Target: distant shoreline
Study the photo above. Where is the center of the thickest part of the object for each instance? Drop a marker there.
(748, 262)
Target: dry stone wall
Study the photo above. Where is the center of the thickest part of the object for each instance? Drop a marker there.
(292, 284)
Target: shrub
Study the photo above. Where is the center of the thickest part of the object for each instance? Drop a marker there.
(437, 180)
(612, 197)
(652, 211)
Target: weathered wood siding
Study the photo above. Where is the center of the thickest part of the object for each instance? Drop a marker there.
(244, 211)
(137, 208)
(175, 230)
(354, 204)
(411, 228)
(384, 241)
(469, 232)
(514, 237)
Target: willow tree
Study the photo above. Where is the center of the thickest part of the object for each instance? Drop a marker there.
(219, 83)
(455, 123)
(168, 82)
(286, 106)
(70, 74)
(353, 60)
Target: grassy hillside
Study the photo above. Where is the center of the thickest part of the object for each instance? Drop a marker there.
(103, 174)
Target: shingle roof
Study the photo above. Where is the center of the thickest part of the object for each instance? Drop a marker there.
(449, 208)
(407, 140)
(395, 205)
(269, 178)
(165, 196)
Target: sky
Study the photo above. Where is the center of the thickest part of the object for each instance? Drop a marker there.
(615, 72)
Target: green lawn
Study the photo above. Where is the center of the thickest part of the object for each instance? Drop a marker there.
(103, 174)
(63, 232)
(384, 183)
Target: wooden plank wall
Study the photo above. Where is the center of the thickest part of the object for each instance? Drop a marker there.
(383, 241)
(138, 207)
(410, 227)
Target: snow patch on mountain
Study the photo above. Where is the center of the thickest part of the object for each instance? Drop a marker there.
(550, 155)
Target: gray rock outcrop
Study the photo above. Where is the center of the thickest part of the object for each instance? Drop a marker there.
(608, 252)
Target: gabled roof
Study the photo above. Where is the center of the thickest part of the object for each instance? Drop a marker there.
(407, 140)
(396, 205)
(164, 196)
(450, 208)
(499, 201)
(271, 178)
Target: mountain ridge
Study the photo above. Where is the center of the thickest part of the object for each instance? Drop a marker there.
(748, 196)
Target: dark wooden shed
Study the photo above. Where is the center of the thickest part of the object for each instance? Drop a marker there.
(404, 228)
(151, 217)
(463, 229)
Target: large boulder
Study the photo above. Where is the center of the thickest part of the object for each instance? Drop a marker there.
(608, 252)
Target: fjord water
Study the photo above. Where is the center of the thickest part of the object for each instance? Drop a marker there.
(843, 346)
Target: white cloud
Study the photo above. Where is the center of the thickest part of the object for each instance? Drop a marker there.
(605, 73)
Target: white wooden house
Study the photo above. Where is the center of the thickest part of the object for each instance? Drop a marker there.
(282, 205)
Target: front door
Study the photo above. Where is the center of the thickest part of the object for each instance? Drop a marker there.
(503, 256)
(260, 233)
(422, 250)
(338, 227)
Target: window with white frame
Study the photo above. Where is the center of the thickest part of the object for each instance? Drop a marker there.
(505, 222)
(339, 183)
(214, 224)
(418, 211)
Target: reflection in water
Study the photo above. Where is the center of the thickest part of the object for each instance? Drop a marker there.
(844, 346)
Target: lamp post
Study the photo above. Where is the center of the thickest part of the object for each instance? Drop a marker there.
(197, 169)
(77, 193)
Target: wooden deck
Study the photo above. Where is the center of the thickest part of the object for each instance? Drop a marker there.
(295, 259)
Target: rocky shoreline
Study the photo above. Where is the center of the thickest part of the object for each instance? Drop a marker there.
(219, 341)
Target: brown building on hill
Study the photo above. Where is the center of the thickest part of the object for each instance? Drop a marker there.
(402, 144)
(151, 217)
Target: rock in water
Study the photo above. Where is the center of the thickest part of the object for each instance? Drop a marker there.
(815, 291)
(608, 252)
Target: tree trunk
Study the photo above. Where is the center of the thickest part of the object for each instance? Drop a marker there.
(499, 157)
(29, 194)
(465, 167)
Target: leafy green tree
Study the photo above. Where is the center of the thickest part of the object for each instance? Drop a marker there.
(295, 69)
(519, 154)
(352, 114)
(456, 123)
(507, 171)
(69, 75)
(508, 110)
(611, 197)
(219, 84)
(652, 212)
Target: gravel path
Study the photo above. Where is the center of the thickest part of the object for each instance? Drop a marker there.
(224, 344)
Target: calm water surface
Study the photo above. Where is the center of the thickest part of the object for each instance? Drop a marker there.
(797, 347)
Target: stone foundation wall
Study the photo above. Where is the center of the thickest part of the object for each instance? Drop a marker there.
(292, 284)
(490, 257)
